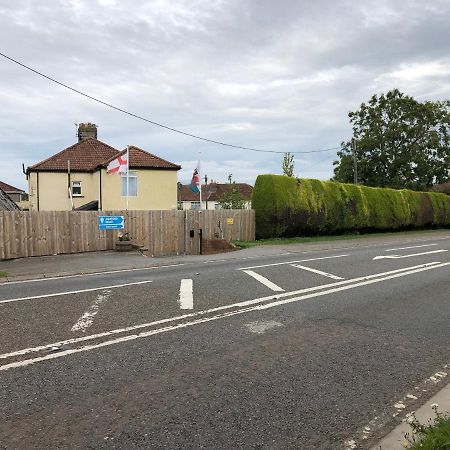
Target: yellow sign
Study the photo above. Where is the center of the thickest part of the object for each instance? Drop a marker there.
(230, 221)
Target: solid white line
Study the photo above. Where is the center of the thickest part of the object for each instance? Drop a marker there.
(28, 362)
(86, 320)
(56, 294)
(208, 311)
(186, 294)
(291, 262)
(263, 280)
(63, 277)
(319, 272)
(406, 248)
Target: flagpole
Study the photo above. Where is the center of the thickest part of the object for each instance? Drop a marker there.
(128, 173)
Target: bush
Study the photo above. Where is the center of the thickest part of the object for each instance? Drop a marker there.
(287, 206)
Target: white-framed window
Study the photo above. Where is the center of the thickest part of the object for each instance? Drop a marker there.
(195, 205)
(76, 189)
(132, 188)
(217, 206)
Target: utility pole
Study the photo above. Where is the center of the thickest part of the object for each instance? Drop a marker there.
(206, 190)
(355, 162)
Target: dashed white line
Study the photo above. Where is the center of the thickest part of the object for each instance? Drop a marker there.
(186, 294)
(319, 272)
(264, 280)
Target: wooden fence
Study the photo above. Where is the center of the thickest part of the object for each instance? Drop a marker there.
(29, 233)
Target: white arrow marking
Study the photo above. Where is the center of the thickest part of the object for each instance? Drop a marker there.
(186, 294)
(405, 248)
(408, 256)
(319, 272)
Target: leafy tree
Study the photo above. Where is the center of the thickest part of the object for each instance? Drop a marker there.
(400, 143)
(232, 197)
(288, 164)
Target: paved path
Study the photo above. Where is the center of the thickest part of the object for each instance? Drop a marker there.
(327, 347)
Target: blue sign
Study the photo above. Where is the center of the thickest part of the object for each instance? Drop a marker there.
(111, 222)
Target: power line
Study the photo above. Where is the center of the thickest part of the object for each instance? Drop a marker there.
(151, 121)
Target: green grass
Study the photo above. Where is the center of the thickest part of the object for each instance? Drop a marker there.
(309, 239)
(3, 274)
(434, 437)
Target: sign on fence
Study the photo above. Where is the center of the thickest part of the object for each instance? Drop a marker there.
(111, 222)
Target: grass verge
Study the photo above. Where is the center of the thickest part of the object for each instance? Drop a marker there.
(3, 274)
(433, 436)
(339, 237)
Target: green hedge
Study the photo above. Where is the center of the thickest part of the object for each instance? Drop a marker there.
(287, 206)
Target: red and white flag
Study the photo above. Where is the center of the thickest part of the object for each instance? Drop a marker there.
(118, 165)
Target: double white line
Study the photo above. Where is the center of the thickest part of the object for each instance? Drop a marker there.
(188, 320)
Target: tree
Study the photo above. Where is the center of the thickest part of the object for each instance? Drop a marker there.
(288, 164)
(399, 143)
(232, 197)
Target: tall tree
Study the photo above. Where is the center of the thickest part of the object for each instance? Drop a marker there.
(399, 143)
(288, 164)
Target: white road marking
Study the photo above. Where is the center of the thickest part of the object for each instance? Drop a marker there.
(408, 256)
(63, 277)
(319, 272)
(186, 294)
(132, 337)
(56, 294)
(86, 320)
(208, 311)
(264, 280)
(292, 262)
(406, 248)
(261, 327)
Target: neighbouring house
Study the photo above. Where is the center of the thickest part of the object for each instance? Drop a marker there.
(211, 194)
(76, 178)
(6, 203)
(443, 188)
(15, 194)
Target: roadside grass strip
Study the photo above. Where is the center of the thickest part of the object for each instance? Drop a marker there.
(60, 348)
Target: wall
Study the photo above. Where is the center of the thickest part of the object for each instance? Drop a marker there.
(53, 190)
(156, 189)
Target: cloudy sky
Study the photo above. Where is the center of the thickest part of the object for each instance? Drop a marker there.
(277, 75)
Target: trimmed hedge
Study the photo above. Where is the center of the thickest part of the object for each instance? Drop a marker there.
(287, 206)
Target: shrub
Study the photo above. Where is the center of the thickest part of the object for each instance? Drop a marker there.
(287, 206)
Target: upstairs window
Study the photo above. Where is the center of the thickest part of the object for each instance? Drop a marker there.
(76, 189)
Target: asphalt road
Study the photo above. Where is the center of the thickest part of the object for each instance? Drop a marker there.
(325, 350)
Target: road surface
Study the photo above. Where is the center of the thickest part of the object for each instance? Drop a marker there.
(325, 349)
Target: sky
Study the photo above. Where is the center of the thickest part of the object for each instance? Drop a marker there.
(274, 75)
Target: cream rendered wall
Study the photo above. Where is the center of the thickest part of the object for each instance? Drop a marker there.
(156, 189)
(53, 192)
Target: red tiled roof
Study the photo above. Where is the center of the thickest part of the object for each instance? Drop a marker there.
(213, 192)
(85, 156)
(10, 189)
(140, 159)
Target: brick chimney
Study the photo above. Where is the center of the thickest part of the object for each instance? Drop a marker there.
(86, 131)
